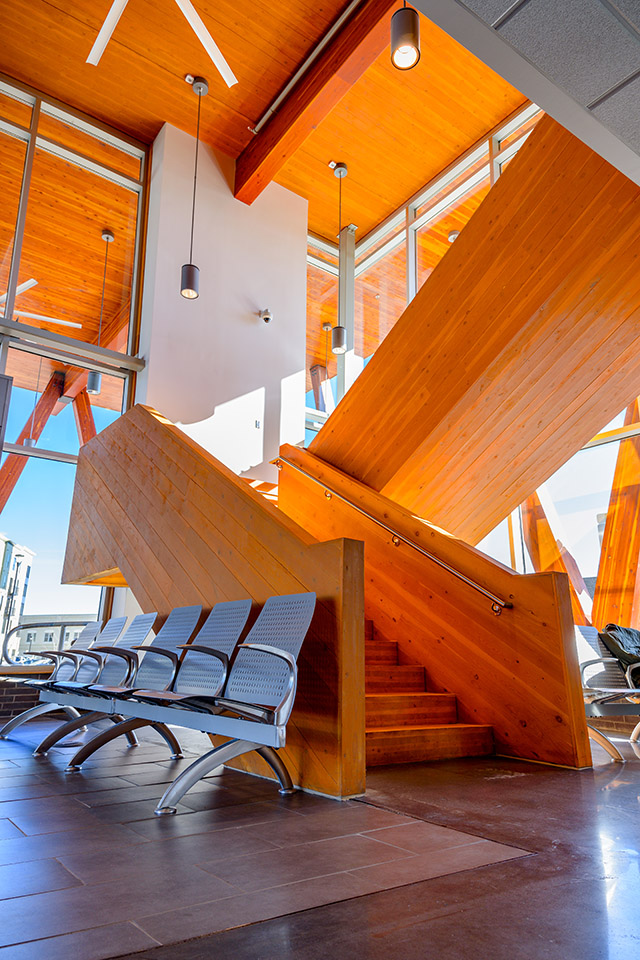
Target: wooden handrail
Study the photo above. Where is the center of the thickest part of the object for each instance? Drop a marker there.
(497, 603)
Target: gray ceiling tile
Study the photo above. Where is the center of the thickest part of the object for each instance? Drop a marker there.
(628, 8)
(578, 44)
(621, 113)
(488, 10)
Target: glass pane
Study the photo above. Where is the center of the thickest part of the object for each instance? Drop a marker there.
(479, 164)
(321, 254)
(64, 253)
(12, 154)
(31, 376)
(380, 300)
(35, 521)
(526, 127)
(15, 110)
(322, 307)
(380, 242)
(432, 239)
(78, 139)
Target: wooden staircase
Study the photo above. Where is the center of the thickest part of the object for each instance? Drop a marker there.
(404, 722)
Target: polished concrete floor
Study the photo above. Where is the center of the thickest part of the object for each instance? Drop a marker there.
(480, 858)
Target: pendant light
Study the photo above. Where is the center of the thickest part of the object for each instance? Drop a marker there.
(405, 38)
(94, 380)
(30, 441)
(339, 333)
(190, 276)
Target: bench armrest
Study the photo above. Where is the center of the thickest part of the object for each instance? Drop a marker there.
(629, 674)
(124, 654)
(592, 663)
(209, 652)
(284, 708)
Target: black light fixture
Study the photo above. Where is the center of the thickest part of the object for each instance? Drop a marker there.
(94, 380)
(190, 275)
(339, 333)
(405, 38)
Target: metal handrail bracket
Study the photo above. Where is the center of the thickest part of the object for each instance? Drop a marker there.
(497, 603)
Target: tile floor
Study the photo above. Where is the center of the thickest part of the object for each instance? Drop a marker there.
(87, 872)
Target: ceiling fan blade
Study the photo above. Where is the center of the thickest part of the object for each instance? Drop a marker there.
(106, 31)
(207, 41)
(20, 289)
(39, 316)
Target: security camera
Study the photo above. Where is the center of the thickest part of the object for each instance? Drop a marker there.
(266, 315)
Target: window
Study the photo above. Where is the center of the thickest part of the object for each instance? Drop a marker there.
(31, 637)
(48, 637)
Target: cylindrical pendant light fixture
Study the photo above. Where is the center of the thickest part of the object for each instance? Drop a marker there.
(190, 274)
(405, 38)
(94, 379)
(339, 339)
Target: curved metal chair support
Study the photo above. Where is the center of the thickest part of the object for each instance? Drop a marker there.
(199, 769)
(79, 723)
(276, 763)
(124, 727)
(605, 743)
(38, 711)
(635, 734)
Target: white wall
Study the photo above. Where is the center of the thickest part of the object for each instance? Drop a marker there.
(212, 365)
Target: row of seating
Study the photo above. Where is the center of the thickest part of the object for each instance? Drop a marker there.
(209, 682)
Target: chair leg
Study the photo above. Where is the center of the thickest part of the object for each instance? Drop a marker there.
(38, 711)
(277, 765)
(64, 730)
(605, 743)
(635, 734)
(199, 769)
(120, 729)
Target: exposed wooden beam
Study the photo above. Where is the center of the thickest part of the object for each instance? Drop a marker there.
(617, 593)
(84, 417)
(520, 345)
(548, 554)
(345, 59)
(13, 466)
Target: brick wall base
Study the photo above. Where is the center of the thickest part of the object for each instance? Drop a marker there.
(619, 725)
(17, 697)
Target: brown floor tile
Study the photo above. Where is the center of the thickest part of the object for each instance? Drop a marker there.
(339, 820)
(98, 944)
(204, 821)
(37, 876)
(9, 831)
(44, 788)
(94, 840)
(420, 837)
(303, 862)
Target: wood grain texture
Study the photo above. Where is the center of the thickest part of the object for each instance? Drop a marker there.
(12, 468)
(547, 554)
(349, 53)
(517, 672)
(617, 593)
(179, 527)
(84, 417)
(519, 346)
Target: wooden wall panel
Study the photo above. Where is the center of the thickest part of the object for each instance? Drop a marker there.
(179, 527)
(617, 593)
(515, 351)
(517, 671)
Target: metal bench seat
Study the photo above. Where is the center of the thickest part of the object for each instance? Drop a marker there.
(608, 689)
(78, 662)
(254, 710)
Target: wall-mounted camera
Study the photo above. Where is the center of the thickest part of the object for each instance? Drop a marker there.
(266, 315)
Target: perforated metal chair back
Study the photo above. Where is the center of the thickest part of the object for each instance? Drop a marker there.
(601, 676)
(156, 672)
(106, 638)
(115, 669)
(87, 635)
(201, 675)
(283, 623)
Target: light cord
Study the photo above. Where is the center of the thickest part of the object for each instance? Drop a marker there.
(195, 180)
(104, 283)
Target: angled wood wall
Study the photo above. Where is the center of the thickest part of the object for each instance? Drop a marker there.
(521, 344)
(152, 509)
(517, 671)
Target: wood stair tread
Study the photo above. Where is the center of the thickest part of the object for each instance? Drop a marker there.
(430, 727)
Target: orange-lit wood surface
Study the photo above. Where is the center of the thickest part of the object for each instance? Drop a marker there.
(84, 417)
(396, 130)
(617, 593)
(517, 672)
(13, 466)
(519, 345)
(547, 554)
(181, 528)
(348, 55)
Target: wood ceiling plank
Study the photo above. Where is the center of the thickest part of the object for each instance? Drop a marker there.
(514, 352)
(344, 60)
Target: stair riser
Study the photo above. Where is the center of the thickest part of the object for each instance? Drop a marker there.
(398, 746)
(380, 651)
(395, 711)
(383, 678)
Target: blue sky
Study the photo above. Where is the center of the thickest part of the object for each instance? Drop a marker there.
(37, 514)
